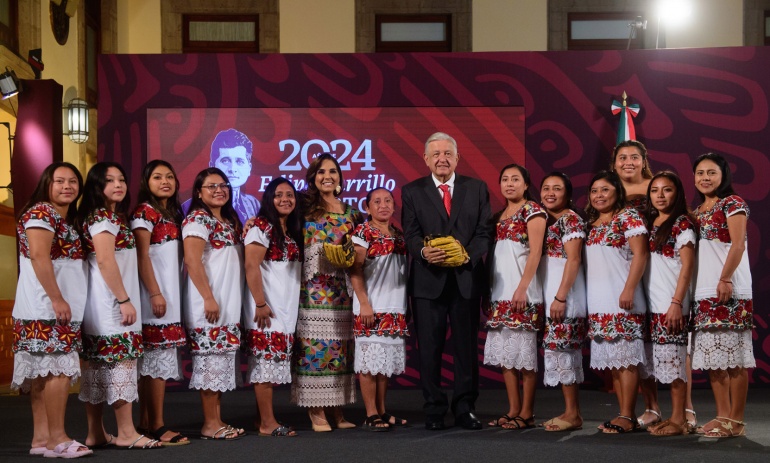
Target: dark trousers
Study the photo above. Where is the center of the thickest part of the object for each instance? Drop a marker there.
(430, 321)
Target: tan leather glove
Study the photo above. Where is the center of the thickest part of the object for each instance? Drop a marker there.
(456, 255)
(341, 255)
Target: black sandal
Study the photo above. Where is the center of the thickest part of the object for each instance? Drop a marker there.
(497, 424)
(620, 429)
(397, 422)
(518, 422)
(174, 441)
(373, 423)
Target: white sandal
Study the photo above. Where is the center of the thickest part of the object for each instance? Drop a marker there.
(643, 425)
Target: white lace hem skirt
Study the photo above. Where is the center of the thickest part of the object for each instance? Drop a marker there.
(28, 366)
(268, 371)
(161, 364)
(647, 369)
(511, 349)
(323, 391)
(616, 354)
(563, 367)
(722, 349)
(109, 382)
(669, 362)
(218, 372)
(377, 358)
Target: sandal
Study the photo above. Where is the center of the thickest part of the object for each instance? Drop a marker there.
(281, 431)
(374, 423)
(518, 422)
(692, 426)
(68, 449)
(108, 443)
(396, 421)
(174, 441)
(725, 429)
(559, 425)
(224, 433)
(497, 424)
(669, 428)
(151, 444)
(700, 429)
(610, 428)
(643, 425)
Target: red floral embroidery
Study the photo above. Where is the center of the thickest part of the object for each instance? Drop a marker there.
(385, 324)
(609, 326)
(66, 243)
(218, 339)
(290, 251)
(612, 233)
(503, 314)
(380, 244)
(163, 230)
(163, 336)
(660, 335)
(220, 234)
(569, 334)
(113, 348)
(569, 224)
(515, 227)
(681, 224)
(123, 240)
(713, 223)
(735, 314)
(46, 336)
(270, 345)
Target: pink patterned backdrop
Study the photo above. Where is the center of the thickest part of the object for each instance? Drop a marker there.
(693, 101)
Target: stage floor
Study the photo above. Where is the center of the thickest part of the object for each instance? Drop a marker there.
(183, 413)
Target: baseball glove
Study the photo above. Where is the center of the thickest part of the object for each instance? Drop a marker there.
(456, 255)
(341, 255)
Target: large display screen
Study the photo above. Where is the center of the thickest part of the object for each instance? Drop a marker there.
(376, 147)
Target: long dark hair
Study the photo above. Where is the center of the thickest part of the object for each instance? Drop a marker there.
(93, 192)
(173, 209)
(294, 222)
(620, 194)
(314, 204)
(196, 203)
(567, 186)
(646, 171)
(43, 190)
(726, 187)
(524, 176)
(679, 209)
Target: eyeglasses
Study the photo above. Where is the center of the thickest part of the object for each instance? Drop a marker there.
(217, 186)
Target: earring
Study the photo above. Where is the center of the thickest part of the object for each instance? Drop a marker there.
(338, 190)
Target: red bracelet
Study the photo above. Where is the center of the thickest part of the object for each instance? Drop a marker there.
(676, 301)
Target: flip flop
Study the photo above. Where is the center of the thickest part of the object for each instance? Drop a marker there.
(151, 444)
(561, 425)
(68, 449)
(174, 441)
(223, 433)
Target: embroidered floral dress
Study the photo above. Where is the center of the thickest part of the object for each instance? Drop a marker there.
(270, 349)
(563, 341)
(512, 337)
(669, 350)
(380, 349)
(110, 347)
(616, 334)
(722, 336)
(324, 339)
(213, 345)
(161, 336)
(41, 346)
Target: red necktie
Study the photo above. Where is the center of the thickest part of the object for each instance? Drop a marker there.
(447, 198)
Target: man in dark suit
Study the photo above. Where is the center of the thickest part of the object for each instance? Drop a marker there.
(444, 203)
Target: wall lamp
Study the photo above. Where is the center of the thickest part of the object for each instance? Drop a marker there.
(9, 84)
(77, 120)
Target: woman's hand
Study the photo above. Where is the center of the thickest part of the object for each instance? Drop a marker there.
(158, 303)
(211, 310)
(128, 314)
(724, 291)
(62, 311)
(519, 299)
(557, 311)
(367, 315)
(626, 301)
(262, 316)
(674, 319)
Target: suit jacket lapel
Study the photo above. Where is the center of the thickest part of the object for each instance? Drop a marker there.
(435, 197)
(458, 198)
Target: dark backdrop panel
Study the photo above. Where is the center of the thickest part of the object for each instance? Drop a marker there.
(693, 101)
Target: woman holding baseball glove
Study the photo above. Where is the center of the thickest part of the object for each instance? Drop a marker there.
(516, 308)
(324, 339)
